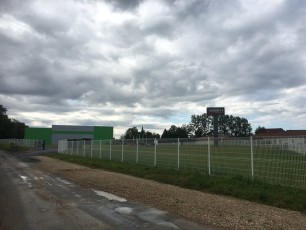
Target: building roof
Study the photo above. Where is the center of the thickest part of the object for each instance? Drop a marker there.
(276, 132)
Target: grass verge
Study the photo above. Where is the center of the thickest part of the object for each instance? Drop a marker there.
(12, 147)
(237, 186)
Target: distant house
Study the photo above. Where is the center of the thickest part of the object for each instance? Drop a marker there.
(279, 132)
(286, 139)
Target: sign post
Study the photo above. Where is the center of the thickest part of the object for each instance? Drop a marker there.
(216, 112)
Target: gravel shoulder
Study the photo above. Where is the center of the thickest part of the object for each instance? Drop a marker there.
(204, 208)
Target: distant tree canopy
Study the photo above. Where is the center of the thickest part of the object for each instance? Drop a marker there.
(259, 130)
(202, 125)
(176, 132)
(133, 133)
(199, 126)
(10, 128)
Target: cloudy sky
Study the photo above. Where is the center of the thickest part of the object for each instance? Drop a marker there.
(153, 63)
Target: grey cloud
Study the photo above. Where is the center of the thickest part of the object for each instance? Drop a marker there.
(195, 53)
(126, 4)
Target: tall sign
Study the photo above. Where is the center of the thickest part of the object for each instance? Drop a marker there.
(216, 112)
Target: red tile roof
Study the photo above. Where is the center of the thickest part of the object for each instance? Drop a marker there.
(280, 132)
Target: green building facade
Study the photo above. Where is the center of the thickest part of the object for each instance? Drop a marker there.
(38, 134)
(69, 132)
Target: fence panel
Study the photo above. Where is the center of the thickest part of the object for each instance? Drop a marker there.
(130, 151)
(30, 143)
(146, 151)
(231, 157)
(273, 160)
(167, 153)
(278, 166)
(194, 154)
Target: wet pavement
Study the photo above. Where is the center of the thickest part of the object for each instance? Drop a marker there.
(33, 199)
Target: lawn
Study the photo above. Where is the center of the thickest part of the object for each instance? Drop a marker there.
(271, 165)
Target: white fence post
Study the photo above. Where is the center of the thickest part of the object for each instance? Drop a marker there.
(59, 146)
(137, 151)
(122, 150)
(77, 148)
(208, 145)
(84, 148)
(91, 145)
(110, 149)
(178, 153)
(100, 150)
(252, 159)
(155, 143)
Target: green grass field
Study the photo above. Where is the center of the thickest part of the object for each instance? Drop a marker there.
(270, 165)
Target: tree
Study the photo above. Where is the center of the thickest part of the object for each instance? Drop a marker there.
(131, 133)
(259, 130)
(165, 134)
(151, 135)
(176, 132)
(202, 125)
(142, 133)
(10, 128)
(18, 129)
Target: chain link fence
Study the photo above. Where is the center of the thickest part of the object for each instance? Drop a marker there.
(274, 160)
(37, 144)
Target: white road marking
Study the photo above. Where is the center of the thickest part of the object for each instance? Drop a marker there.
(64, 181)
(109, 196)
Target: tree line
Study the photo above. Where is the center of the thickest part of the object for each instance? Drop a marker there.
(133, 133)
(201, 126)
(10, 128)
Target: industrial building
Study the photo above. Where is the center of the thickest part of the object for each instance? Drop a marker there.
(69, 132)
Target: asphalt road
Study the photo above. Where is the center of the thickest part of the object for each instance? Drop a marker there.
(33, 199)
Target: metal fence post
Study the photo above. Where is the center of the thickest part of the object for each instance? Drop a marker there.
(122, 150)
(178, 153)
(71, 147)
(77, 148)
(208, 145)
(100, 150)
(91, 145)
(84, 148)
(110, 149)
(137, 151)
(155, 143)
(59, 146)
(252, 160)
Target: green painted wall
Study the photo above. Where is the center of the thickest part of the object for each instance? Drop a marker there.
(103, 133)
(39, 133)
(99, 133)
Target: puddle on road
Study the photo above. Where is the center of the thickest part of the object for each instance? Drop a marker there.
(23, 165)
(25, 180)
(124, 210)
(109, 196)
